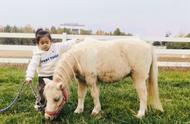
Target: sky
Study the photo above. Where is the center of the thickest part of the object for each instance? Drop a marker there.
(139, 17)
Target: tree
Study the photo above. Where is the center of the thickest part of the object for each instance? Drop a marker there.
(67, 31)
(28, 28)
(118, 32)
(100, 32)
(53, 30)
(129, 34)
(85, 32)
(15, 29)
(168, 34)
(188, 35)
(7, 28)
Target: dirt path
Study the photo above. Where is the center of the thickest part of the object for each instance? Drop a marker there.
(15, 54)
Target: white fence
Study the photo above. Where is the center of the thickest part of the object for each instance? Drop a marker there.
(161, 52)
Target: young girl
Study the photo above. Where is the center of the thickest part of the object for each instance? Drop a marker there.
(44, 59)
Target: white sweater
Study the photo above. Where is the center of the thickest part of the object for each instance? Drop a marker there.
(44, 62)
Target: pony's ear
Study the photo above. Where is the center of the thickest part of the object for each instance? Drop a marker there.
(46, 80)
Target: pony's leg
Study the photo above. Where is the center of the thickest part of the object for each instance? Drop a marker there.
(95, 95)
(140, 85)
(82, 89)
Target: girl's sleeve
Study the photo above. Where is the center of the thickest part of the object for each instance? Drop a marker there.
(66, 45)
(33, 65)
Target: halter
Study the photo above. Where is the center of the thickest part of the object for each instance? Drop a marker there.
(64, 100)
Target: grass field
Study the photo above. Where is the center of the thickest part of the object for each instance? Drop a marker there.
(119, 101)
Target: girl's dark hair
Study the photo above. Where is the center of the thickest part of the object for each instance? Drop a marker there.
(42, 33)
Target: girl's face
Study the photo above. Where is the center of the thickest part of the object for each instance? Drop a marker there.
(44, 43)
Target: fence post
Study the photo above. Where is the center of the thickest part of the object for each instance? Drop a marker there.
(64, 37)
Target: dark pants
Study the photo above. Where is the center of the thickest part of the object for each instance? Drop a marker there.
(40, 100)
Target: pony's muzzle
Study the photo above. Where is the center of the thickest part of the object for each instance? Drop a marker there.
(49, 117)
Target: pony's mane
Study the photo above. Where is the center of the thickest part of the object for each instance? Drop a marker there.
(65, 68)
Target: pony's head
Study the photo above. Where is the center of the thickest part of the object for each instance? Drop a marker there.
(56, 96)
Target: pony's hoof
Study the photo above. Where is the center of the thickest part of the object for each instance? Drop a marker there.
(139, 116)
(94, 113)
(78, 110)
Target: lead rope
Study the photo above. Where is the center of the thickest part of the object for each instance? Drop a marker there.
(33, 91)
(35, 95)
(14, 100)
(20, 90)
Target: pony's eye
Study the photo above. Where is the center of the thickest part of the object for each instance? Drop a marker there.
(56, 99)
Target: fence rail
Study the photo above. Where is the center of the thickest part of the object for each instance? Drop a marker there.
(16, 47)
(103, 37)
(160, 52)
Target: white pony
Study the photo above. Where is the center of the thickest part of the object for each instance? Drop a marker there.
(109, 61)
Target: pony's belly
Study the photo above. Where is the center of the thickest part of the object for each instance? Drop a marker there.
(112, 76)
(115, 71)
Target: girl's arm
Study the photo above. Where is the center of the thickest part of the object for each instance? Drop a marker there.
(33, 65)
(66, 45)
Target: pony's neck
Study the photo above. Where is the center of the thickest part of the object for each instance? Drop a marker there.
(64, 71)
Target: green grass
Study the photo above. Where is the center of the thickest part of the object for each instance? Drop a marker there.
(119, 101)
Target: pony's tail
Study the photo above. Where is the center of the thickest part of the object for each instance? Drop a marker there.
(153, 92)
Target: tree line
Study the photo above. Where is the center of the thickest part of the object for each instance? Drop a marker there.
(52, 30)
(174, 45)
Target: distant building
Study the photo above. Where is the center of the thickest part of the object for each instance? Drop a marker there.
(75, 28)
